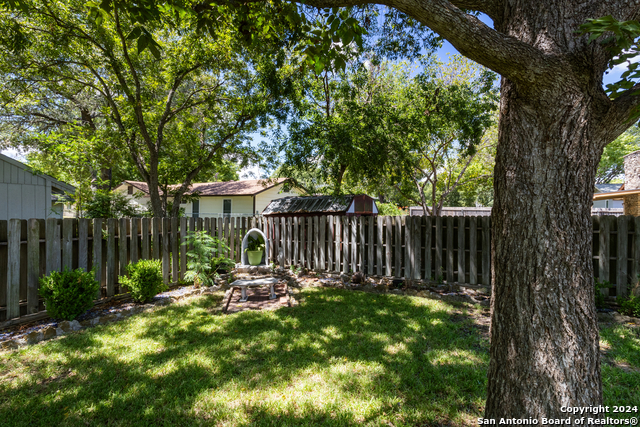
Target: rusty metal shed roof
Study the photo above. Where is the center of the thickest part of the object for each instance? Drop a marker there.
(311, 204)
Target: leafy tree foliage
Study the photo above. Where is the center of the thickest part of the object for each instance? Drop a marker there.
(441, 131)
(380, 129)
(611, 166)
(176, 114)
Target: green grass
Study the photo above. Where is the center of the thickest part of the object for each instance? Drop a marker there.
(340, 358)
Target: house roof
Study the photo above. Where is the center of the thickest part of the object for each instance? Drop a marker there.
(54, 182)
(608, 188)
(616, 195)
(247, 187)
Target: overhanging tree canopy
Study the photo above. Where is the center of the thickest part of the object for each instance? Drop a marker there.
(555, 120)
(174, 115)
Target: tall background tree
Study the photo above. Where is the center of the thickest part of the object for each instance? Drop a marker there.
(177, 109)
(386, 129)
(555, 120)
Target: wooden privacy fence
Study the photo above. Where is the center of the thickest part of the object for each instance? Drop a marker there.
(452, 249)
(30, 249)
(448, 249)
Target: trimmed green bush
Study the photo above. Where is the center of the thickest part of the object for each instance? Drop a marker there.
(630, 305)
(145, 280)
(69, 293)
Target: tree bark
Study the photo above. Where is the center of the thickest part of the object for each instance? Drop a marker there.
(544, 335)
(555, 120)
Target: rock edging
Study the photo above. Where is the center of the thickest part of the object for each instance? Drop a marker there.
(67, 327)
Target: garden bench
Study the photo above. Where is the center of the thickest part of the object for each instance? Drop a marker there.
(244, 284)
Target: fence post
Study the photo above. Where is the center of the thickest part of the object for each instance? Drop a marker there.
(397, 248)
(133, 254)
(362, 252)
(13, 270)
(288, 243)
(438, 273)
(309, 242)
(165, 250)
(232, 238)
(296, 241)
(486, 250)
(345, 244)
(379, 247)
(83, 244)
(53, 245)
(316, 242)
(97, 253)
(183, 246)
(33, 265)
(636, 249)
(322, 242)
(408, 247)
(144, 237)
(449, 221)
(111, 256)
(427, 248)
(354, 244)
(461, 250)
(473, 250)
(155, 237)
(67, 246)
(122, 248)
(621, 285)
(603, 255)
(337, 244)
(389, 243)
(175, 250)
(417, 246)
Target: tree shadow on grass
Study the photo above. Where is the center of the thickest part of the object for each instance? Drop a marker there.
(340, 358)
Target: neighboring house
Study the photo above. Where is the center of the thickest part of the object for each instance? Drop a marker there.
(454, 211)
(25, 194)
(231, 198)
(607, 203)
(322, 205)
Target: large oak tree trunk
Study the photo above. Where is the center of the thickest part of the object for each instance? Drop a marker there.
(544, 336)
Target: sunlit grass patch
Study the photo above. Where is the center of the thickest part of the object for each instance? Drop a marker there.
(339, 358)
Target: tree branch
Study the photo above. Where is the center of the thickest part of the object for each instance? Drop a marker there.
(137, 105)
(512, 58)
(620, 114)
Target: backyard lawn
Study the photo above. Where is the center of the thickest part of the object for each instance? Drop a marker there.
(339, 358)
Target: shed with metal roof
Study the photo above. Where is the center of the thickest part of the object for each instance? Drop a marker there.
(360, 204)
(26, 194)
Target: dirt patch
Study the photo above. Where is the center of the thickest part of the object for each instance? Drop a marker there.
(258, 299)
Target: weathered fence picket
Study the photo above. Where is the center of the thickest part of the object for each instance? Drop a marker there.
(165, 249)
(452, 249)
(473, 250)
(33, 264)
(111, 256)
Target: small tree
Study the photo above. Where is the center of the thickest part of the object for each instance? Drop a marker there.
(200, 263)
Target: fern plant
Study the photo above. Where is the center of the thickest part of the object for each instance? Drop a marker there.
(200, 268)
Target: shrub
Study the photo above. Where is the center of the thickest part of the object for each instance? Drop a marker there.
(69, 293)
(202, 264)
(222, 264)
(390, 209)
(600, 299)
(145, 280)
(630, 305)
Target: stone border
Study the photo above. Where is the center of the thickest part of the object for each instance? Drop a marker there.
(461, 294)
(66, 327)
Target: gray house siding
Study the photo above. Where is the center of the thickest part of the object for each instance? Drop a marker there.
(25, 195)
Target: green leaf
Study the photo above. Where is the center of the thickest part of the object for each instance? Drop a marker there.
(134, 34)
(143, 42)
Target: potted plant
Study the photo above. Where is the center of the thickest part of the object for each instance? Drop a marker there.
(255, 249)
